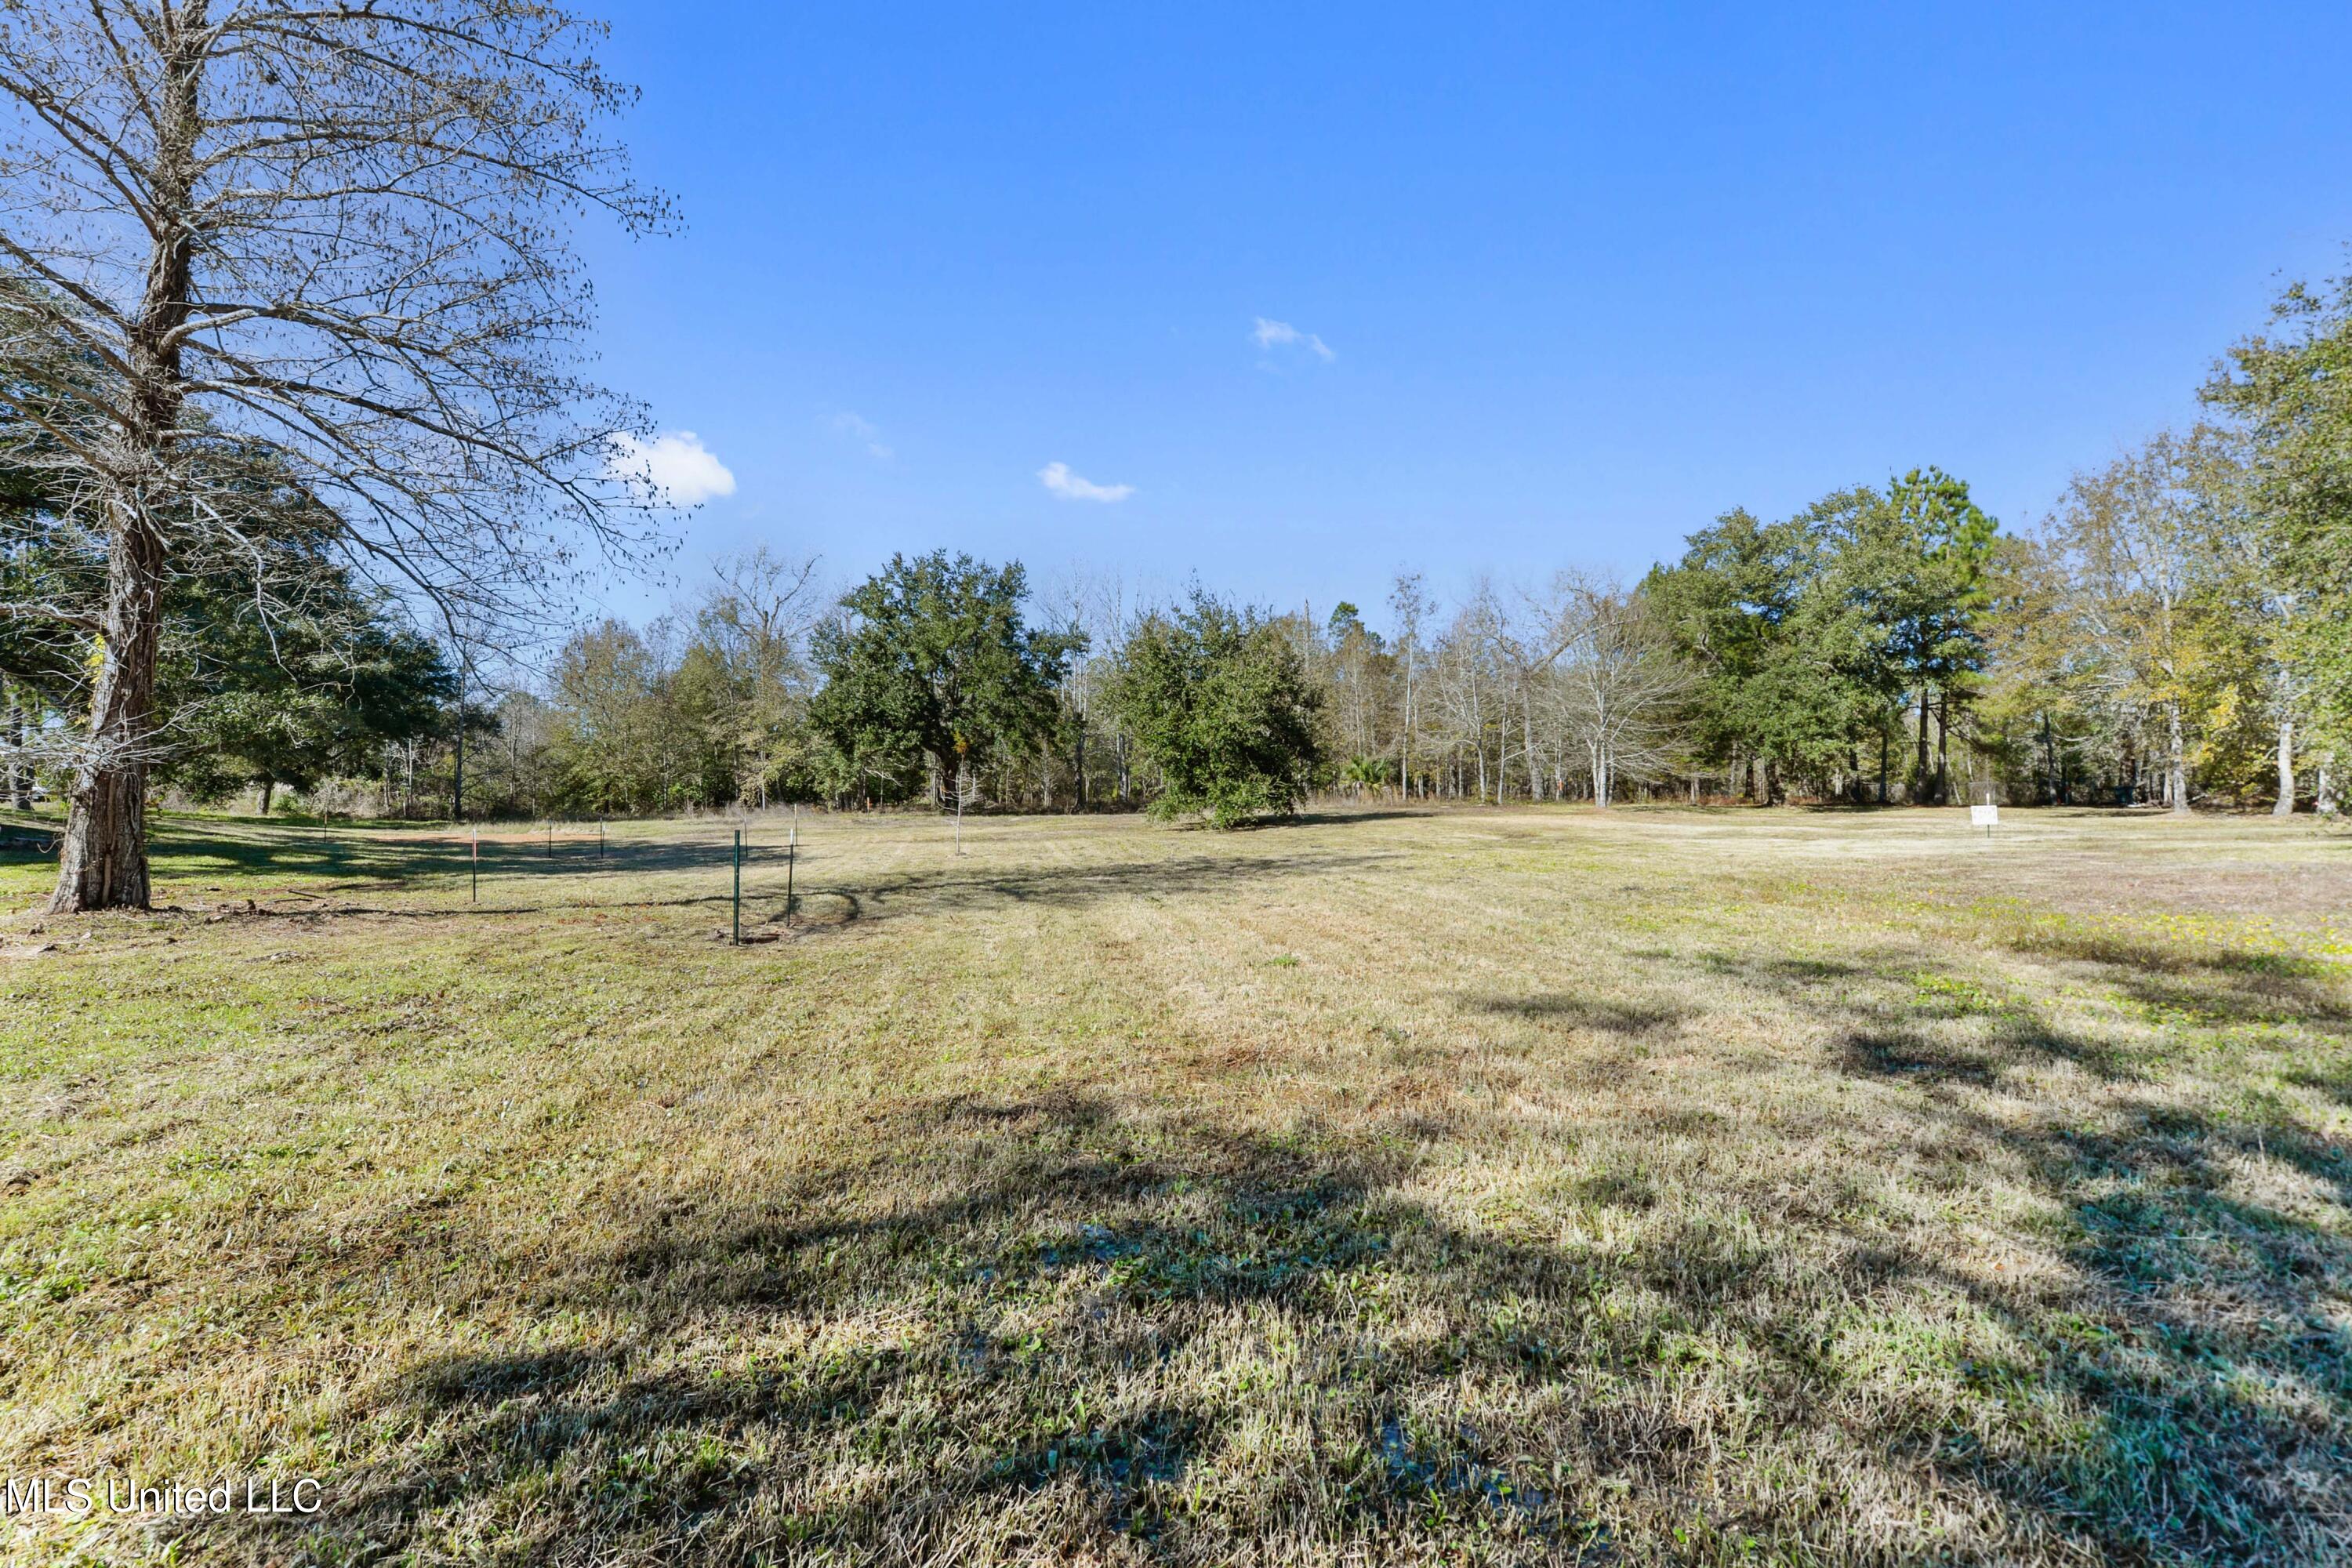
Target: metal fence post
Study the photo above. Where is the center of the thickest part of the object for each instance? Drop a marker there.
(739, 887)
(477, 865)
(792, 853)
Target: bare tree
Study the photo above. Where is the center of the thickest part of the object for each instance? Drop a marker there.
(757, 614)
(1409, 600)
(1106, 608)
(1619, 681)
(1467, 688)
(332, 235)
(1527, 639)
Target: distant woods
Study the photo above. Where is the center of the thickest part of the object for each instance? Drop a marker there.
(2156, 640)
(2164, 636)
(2151, 641)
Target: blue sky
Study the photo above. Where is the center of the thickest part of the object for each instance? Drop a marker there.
(1563, 284)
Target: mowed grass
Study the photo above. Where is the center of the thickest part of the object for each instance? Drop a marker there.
(1539, 1185)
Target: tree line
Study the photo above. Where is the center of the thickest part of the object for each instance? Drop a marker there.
(2151, 641)
(2170, 634)
(2155, 639)
(2159, 637)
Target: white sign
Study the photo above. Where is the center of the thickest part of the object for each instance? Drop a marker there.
(1984, 816)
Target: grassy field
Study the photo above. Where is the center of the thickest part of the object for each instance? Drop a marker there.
(1481, 1186)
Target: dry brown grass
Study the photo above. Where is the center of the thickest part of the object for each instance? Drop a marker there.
(1520, 1186)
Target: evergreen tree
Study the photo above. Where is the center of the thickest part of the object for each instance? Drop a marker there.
(1218, 700)
(931, 669)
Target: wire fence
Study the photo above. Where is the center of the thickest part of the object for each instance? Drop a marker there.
(752, 869)
(719, 866)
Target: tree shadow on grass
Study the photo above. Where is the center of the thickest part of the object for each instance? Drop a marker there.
(2211, 984)
(1072, 1328)
(2336, 1085)
(2202, 1334)
(1578, 1011)
(821, 893)
(1884, 1012)
(956, 888)
(2210, 1359)
(2206, 1344)
(1344, 817)
(1074, 1266)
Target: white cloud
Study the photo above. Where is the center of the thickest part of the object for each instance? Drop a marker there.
(675, 469)
(1058, 477)
(1282, 334)
(850, 426)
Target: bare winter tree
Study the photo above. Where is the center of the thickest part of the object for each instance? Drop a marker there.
(331, 236)
(1465, 689)
(1106, 608)
(757, 614)
(1619, 683)
(1409, 599)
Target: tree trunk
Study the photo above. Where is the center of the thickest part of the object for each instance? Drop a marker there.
(104, 862)
(2326, 801)
(1943, 749)
(2176, 783)
(1527, 733)
(2286, 807)
(1478, 737)
(1919, 778)
(1404, 731)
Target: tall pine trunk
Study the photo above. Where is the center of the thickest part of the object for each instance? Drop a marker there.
(1919, 779)
(1943, 747)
